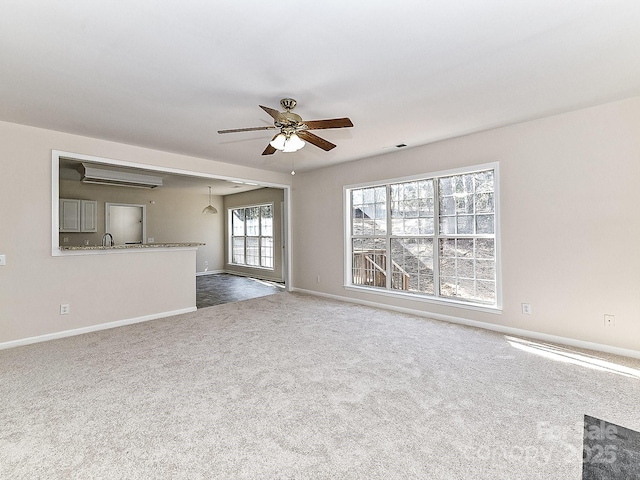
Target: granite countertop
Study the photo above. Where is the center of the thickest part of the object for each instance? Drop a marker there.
(132, 246)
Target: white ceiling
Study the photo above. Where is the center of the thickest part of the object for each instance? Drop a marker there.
(169, 74)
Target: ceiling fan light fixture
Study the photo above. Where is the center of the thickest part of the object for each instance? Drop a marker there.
(294, 143)
(279, 142)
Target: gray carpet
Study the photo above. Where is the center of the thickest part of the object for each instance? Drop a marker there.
(295, 387)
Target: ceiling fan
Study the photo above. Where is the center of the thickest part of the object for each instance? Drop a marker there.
(293, 131)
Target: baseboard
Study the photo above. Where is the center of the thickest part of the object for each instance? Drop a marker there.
(251, 275)
(209, 272)
(571, 342)
(240, 274)
(92, 328)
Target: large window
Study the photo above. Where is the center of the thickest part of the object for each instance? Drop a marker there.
(433, 236)
(252, 236)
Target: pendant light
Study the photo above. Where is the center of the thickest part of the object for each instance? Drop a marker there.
(209, 208)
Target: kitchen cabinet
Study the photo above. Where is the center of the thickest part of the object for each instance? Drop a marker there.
(78, 215)
(88, 216)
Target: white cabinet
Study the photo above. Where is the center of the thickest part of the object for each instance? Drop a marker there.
(69, 212)
(88, 216)
(78, 215)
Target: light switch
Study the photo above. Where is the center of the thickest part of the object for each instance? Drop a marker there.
(3, 260)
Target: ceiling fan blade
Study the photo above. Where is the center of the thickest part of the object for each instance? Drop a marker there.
(316, 140)
(331, 123)
(250, 129)
(271, 111)
(270, 150)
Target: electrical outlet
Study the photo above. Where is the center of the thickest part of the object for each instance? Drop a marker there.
(526, 309)
(150, 240)
(64, 309)
(609, 320)
(65, 240)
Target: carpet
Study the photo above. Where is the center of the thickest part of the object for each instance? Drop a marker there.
(291, 386)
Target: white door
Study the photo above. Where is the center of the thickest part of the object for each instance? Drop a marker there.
(126, 223)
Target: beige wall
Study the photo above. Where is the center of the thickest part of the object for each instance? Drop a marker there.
(174, 216)
(99, 288)
(569, 199)
(569, 224)
(255, 197)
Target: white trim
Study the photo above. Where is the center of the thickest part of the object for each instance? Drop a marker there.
(348, 237)
(93, 328)
(421, 176)
(107, 217)
(209, 272)
(256, 267)
(57, 154)
(240, 274)
(497, 237)
(571, 342)
(55, 194)
(245, 236)
(254, 275)
(287, 275)
(55, 203)
(347, 243)
(447, 302)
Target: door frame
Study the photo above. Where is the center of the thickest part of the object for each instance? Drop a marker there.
(107, 216)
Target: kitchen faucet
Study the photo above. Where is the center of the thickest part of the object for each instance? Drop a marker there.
(107, 242)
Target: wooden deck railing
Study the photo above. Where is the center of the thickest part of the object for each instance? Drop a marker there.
(370, 268)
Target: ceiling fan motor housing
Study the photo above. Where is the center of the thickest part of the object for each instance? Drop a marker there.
(288, 119)
(288, 103)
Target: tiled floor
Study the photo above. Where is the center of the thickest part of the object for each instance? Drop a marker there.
(222, 288)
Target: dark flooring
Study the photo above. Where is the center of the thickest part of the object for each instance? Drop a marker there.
(610, 452)
(223, 288)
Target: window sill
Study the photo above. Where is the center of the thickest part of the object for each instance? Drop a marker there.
(422, 298)
(242, 265)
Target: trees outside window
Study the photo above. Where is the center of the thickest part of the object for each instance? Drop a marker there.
(252, 236)
(433, 236)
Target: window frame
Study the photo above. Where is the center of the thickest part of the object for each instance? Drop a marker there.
(496, 307)
(260, 237)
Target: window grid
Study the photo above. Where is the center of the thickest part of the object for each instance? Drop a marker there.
(440, 240)
(266, 252)
(252, 236)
